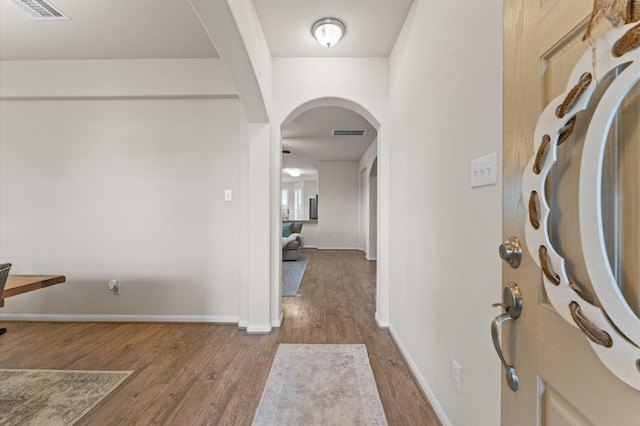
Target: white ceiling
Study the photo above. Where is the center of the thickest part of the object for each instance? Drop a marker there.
(372, 26)
(105, 29)
(148, 29)
(309, 139)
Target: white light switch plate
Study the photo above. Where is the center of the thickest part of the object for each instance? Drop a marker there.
(228, 195)
(484, 170)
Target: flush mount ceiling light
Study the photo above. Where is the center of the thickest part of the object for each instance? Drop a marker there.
(293, 172)
(328, 31)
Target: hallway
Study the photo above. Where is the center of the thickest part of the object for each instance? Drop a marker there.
(336, 304)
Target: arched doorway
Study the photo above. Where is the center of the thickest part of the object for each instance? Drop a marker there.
(380, 193)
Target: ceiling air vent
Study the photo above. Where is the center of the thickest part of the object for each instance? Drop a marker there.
(40, 10)
(349, 132)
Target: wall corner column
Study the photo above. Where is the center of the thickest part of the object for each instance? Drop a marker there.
(259, 242)
(383, 222)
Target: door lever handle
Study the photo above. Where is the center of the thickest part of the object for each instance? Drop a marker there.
(512, 304)
(511, 375)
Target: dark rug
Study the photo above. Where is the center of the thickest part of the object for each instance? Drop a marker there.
(292, 272)
(53, 397)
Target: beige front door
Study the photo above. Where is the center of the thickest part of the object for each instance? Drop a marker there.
(561, 380)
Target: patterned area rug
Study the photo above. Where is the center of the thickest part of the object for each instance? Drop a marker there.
(320, 385)
(292, 272)
(53, 397)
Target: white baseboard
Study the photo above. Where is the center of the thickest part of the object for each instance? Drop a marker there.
(381, 324)
(339, 248)
(221, 319)
(259, 329)
(371, 258)
(421, 381)
(277, 323)
(216, 319)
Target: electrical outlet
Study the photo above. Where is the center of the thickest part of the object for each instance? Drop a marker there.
(484, 170)
(114, 286)
(456, 373)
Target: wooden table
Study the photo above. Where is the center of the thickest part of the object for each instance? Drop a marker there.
(18, 284)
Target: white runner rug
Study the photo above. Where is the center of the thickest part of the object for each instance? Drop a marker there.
(320, 385)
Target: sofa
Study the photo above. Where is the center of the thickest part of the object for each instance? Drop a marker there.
(292, 240)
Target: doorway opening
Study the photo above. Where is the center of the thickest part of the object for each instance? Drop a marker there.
(329, 162)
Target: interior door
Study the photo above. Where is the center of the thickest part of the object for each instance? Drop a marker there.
(561, 380)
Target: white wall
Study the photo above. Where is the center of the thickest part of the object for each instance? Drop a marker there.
(125, 188)
(310, 234)
(338, 205)
(297, 81)
(121, 78)
(444, 267)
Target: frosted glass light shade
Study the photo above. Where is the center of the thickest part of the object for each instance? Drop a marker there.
(328, 31)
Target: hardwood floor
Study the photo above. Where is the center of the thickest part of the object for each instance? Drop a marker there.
(208, 374)
(336, 304)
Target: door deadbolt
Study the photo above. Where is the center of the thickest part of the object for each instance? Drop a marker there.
(511, 252)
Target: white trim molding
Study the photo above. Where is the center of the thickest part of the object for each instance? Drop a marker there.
(381, 323)
(277, 323)
(259, 329)
(340, 248)
(219, 319)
